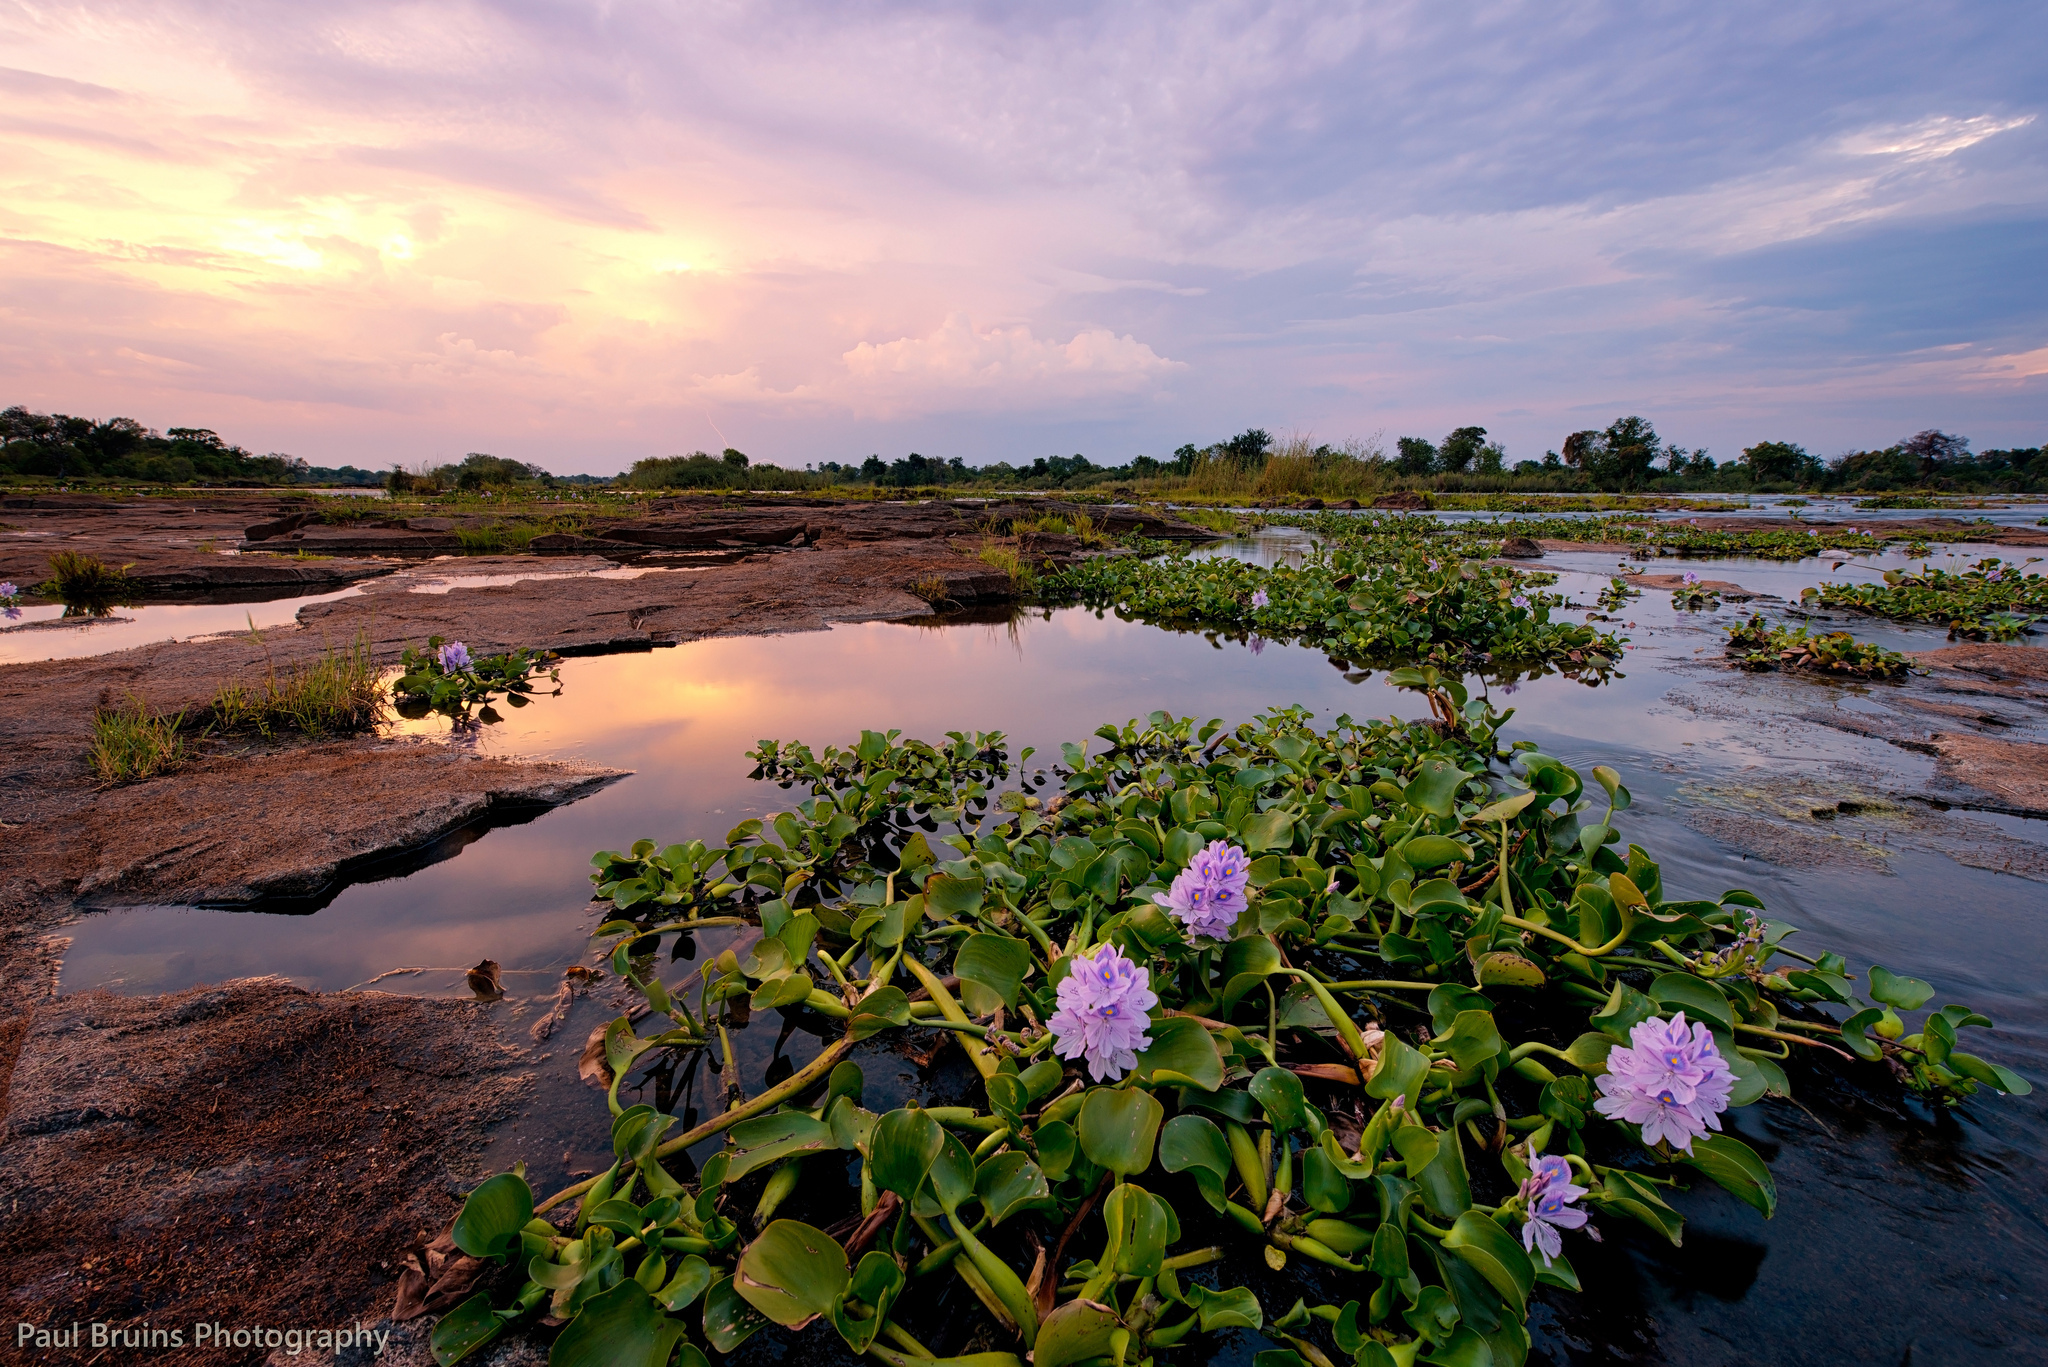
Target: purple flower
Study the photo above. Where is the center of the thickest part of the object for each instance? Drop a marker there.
(1257, 644)
(1549, 1193)
(454, 657)
(1101, 1016)
(1208, 894)
(1670, 1079)
(1691, 579)
(1519, 601)
(7, 590)
(1259, 598)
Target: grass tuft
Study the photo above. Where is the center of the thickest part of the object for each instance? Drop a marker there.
(76, 575)
(1006, 559)
(337, 694)
(131, 743)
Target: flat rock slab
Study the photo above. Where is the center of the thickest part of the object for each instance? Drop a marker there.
(248, 1153)
(293, 824)
(1672, 583)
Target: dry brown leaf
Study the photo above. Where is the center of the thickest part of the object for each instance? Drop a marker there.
(558, 1011)
(484, 981)
(590, 1064)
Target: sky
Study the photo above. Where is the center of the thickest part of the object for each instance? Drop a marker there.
(584, 233)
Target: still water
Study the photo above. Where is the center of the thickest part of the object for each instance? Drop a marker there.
(1900, 1237)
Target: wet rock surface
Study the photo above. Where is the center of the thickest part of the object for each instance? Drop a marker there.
(249, 1154)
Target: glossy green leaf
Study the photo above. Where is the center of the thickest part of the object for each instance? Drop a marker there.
(1446, 1189)
(692, 1277)
(1193, 1143)
(1990, 1074)
(1496, 1255)
(902, 1149)
(493, 1216)
(1268, 831)
(1247, 961)
(1435, 786)
(876, 1284)
(1626, 1008)
(1182, 1053)
(792, 1272)
(1117, 1129)
(1279, 1092)
(622, 1327)
(1400, 1072)
(1236, 1308)
(1737, 1168)
(1699, 999)
(952, 896)
(463, 1330)
(729, 1320)
(1322, 1185)
(991, 968)
(1007, 1183)
(1057, 1148)
(1432, 851)
(878, 1011)
(1907, 994)
(1074, 1332)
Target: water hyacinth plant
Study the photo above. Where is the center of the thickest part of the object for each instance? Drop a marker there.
(444, 678)
(1455, 1022)
(1759, 645)
(1358, 605)
(1992, 600)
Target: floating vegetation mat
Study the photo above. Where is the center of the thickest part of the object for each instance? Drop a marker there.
(1390, 998)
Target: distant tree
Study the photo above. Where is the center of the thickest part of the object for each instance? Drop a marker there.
(736, 459)
(1621, 457)
(1460, 449)
(1493, 457)
(1417, 456)
(1184, 458)
(1247, 450)
(1934, 449)
(1778, 462)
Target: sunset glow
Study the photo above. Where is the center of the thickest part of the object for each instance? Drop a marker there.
(580, 234)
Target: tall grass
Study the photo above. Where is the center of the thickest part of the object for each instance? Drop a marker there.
(1005, 558)
(130, 742)
(337, 694)
(75, 575)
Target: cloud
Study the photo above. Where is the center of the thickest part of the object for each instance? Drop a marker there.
(392, 229)
(1007, 366)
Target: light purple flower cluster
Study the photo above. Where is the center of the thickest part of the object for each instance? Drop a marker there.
(7, 596)
(1548, 1193)
(1670, 1079)
(7, 590)
(1103, 1002)
(1259, 598)
(1519, 601)
(454, 657)
(1257, 645)
(1208, 894)
(1691, 578)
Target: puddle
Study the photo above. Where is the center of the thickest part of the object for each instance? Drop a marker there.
(45, 633)
(1868, 1190)
(417, 582)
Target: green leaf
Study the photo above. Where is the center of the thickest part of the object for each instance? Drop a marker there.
(1589, 1052)
(1624, 1192)
(904, 1146)
(1698, 998)
(1007, 1183)
(1117, 1128)
(1322, 1185)
(1435, 786)
(1431, 851)
(1446, 1189)
(493, 1216)
(954, 896)
(1496, 1255)
(1737, 1168)
(1400, 1073)
(792, 1272)
(728, 1320)
(1194, 1142)
(1056, 1148)
(1183, 1053)
(1990, 1074)
(1626, 1008)
(693, 1275)
(1907, 994)
(1074, 1332)
(463, 1330)
(770, 1138)
(1279, 1093)
(1246, 962)
(1499, 968)
(1854, 1033)
(991, 969)
(1472, 1039)
(952, 1175)
(1144, 1228)
(876, 1284)
(622, 1327)
(878, 1011)
(1236, 1308)
(1268, 831)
